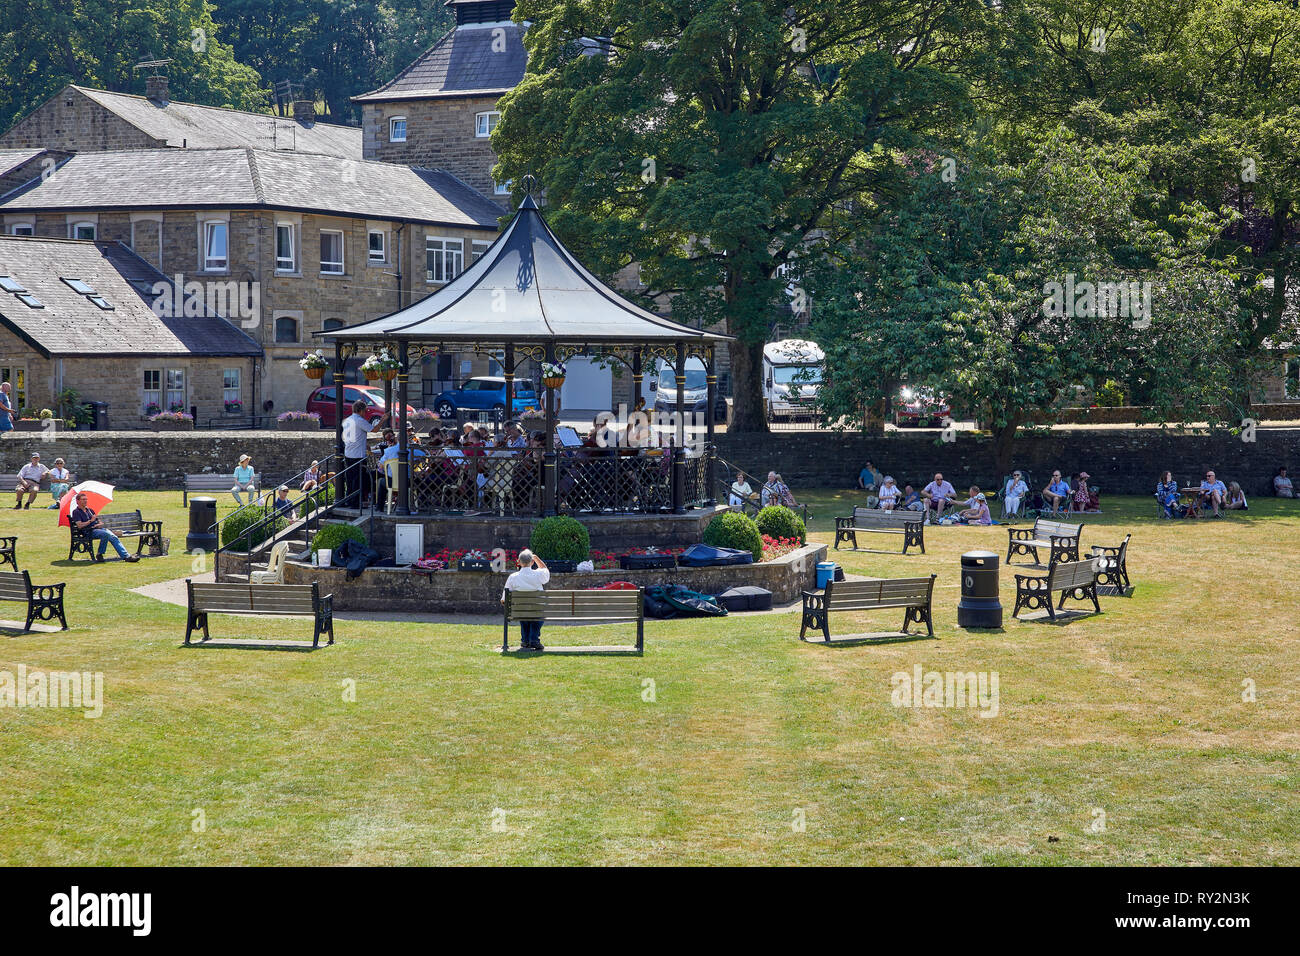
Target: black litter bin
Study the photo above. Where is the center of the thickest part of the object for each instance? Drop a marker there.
(98, 415)
(203, 515)
(979, 605)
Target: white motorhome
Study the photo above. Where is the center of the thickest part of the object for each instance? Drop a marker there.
(792, 372)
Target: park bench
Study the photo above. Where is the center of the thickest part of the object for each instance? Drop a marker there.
(9, 551)
(128, 524)
(10, 481)
(913, 594)
(1112, 565)
(1076, 579)
(44, 601)
(1061, 538)
(213, 482)
(577, 607)
(281, 600)
(910, 524)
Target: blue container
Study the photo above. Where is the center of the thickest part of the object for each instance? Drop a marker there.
(825, 573)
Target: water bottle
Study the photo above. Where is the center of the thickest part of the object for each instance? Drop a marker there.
(314, 559)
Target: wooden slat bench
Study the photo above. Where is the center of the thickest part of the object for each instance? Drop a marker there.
(1061, 538)
(213, 482)
(286, 600)
(910, 524)
(1112, 565)
(10, 481)
(1076, 579)
(913, 594)
(128, 524)
(44, 601)
(576, 607)
(9, 551)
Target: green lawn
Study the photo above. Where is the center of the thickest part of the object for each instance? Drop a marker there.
(1137, 714)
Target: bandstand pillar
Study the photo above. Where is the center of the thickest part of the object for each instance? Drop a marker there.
(711, 379)
(403, 445)
(679, 446)
(550, 471)
(339, 460)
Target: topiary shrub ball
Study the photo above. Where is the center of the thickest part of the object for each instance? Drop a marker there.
(778, 521)
(560, 538)
(737, 531)
(333, 535)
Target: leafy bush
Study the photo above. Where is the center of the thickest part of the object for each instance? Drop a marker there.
(1110, 394)
(734, 530)
(778, 521)
(319, 497)
(333, 535)
(235, 533)
(560, 539)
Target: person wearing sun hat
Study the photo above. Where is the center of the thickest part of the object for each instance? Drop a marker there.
(245, 480)
(1079, 494)
(1013, 494)
(60, 481)
(978, 512)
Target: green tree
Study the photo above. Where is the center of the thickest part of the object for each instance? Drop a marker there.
(46, 44)
(953, 291)
(718, 137)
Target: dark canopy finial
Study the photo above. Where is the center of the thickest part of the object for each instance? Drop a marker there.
(528, 184)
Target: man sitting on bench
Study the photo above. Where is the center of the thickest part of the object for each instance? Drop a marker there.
(30, 477)
(85, 519)
(531, 576)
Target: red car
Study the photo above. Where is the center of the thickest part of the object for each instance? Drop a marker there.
(322, 403)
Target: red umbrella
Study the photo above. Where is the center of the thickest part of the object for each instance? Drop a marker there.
(97, 494)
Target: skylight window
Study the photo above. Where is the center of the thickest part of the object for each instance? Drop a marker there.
(10, 284)
(100, 301)
(76, 285)
(29, 300)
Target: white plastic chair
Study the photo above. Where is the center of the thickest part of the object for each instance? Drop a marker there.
(274, 573)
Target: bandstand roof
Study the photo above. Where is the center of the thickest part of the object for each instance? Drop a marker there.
(526, 288)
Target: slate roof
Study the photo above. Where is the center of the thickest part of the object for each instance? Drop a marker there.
(69, 324)
(11, 159)
(461, 63)
(208, 127)
(139, 179)
(527, 287)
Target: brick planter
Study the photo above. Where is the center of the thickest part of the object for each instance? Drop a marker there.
(172, 426)
(38, 425)
(299, 425)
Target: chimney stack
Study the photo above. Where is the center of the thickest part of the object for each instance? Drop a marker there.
(155, 88)
(304, 111)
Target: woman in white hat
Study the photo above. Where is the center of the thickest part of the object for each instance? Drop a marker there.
(311, 477)
(60, 482)
(245, 480)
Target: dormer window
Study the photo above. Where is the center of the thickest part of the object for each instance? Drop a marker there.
(485, 123)
(397, 129)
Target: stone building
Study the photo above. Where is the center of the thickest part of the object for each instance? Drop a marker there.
(81, 119)
(85, 316)
(285, 244)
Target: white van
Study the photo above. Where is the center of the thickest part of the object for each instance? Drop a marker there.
(792, 372)
(696, 392)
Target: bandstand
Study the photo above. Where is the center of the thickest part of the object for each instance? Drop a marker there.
(528, 297)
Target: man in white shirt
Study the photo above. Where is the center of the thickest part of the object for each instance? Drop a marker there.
(531, 576)
(939, 494)
(1213, 493)
(356, 428)
(30, 477)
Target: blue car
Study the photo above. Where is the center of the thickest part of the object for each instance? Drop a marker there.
(484, 394)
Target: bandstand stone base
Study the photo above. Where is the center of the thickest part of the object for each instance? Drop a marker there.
(479, 592)
(608, 532)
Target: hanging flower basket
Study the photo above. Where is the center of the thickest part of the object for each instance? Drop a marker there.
(380, 365)
(553, 382)
(316, 373)
(314, 364)
(371, 374)
(553, 374)
(388, 374)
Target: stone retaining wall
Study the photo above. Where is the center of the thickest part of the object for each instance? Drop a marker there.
(1120, 460)
(479, 592)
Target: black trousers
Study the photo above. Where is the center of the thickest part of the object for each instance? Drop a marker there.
(352, 482)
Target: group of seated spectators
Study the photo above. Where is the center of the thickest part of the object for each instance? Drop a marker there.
(774, 491)
(939, 499)
(1211, 494)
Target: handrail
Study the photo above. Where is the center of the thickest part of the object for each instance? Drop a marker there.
(296, 479)
(725, 481)
(307, 518)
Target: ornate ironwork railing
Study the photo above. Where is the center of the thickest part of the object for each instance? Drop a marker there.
(509, 482)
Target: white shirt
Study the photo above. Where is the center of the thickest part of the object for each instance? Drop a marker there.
(355, 430)
(32, 472)
(59, 474)
(528, 579)
(1016, 488)
(890, 493)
